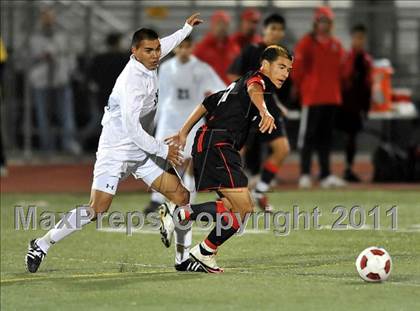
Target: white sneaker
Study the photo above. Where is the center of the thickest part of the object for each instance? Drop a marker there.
(332, 181)
(207, 261)
(167, 225)
(305, 182)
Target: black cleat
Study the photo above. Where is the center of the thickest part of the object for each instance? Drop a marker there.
(34, 257)
(190, 266)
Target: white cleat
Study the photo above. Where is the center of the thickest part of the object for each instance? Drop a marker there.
(167, 225)
(207, 261)
(332, 181)
(305, 182)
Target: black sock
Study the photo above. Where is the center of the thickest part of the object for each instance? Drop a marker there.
(194, 210)
(218, 236)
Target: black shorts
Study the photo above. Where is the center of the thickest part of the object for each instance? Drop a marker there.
(217, 167)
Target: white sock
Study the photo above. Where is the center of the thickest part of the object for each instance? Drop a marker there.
(75, 219)
(262, 186)
(190, 185)
(157, 197)
(183, 239)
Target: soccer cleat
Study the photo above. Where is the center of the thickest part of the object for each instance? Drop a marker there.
(305, 182)
(190, 266)
(34, 257)
(207, 261)
(262, 201)
(167, 225)
(332, 181)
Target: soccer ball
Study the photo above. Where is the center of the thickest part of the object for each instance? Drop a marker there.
(374, 264)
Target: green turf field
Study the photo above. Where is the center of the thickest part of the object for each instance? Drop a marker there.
(306, 270)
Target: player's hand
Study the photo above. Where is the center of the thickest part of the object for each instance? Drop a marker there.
(267, 122)
(175, 155)
(177, 139)
(193, 20)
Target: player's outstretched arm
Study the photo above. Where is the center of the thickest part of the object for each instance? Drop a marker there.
(170, 42)
(256, 94)
(180, 138)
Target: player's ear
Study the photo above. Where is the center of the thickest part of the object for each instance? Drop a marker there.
(265, 64)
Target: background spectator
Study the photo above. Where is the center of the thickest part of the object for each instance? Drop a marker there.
(248, 27)
(317, 75)
(49, 77)
(357, 89)
(106, 67)
(3, 59)
(216, 48)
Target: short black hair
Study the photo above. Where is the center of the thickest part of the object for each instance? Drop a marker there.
(358, 28)
(113, 39)
(143, 34)
(272, 52)
(274, 19)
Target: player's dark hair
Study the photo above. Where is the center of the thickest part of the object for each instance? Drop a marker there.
(143, 34)
(358, 28)
(272, 52)
(274, 19)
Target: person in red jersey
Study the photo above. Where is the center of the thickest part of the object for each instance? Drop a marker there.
(216, 48)
(247, 33)
(357, 89)
(316, 74)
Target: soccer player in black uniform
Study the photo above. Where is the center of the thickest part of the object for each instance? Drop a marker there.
(231, 114)
(274, 31)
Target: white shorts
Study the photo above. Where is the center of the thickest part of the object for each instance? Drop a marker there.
(109, 171)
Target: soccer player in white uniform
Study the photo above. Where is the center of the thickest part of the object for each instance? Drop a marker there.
(184, 81)
(125, 146)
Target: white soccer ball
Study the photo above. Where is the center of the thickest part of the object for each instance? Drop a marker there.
(374, 264)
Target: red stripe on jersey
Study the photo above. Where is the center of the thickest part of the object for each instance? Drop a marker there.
(227, 168)
(201, 138)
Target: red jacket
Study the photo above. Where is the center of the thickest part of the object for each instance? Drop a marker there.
(218, 54)
(317, 70)
(242, 41)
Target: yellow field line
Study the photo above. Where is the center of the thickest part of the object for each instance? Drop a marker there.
(78, 276)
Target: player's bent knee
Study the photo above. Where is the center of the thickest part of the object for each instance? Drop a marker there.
(180, 198)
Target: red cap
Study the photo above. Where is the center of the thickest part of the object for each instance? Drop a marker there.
(220, 16)
(251, 15)
(324, 12)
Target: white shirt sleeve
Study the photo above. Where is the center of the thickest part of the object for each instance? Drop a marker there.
(130, 110)
(170, 42)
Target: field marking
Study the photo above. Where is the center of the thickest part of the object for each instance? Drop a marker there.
(105, 275)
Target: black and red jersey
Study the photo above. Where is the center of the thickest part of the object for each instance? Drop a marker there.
(231, 113)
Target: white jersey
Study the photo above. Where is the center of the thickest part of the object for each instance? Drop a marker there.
(131, 108)
(183, 86)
